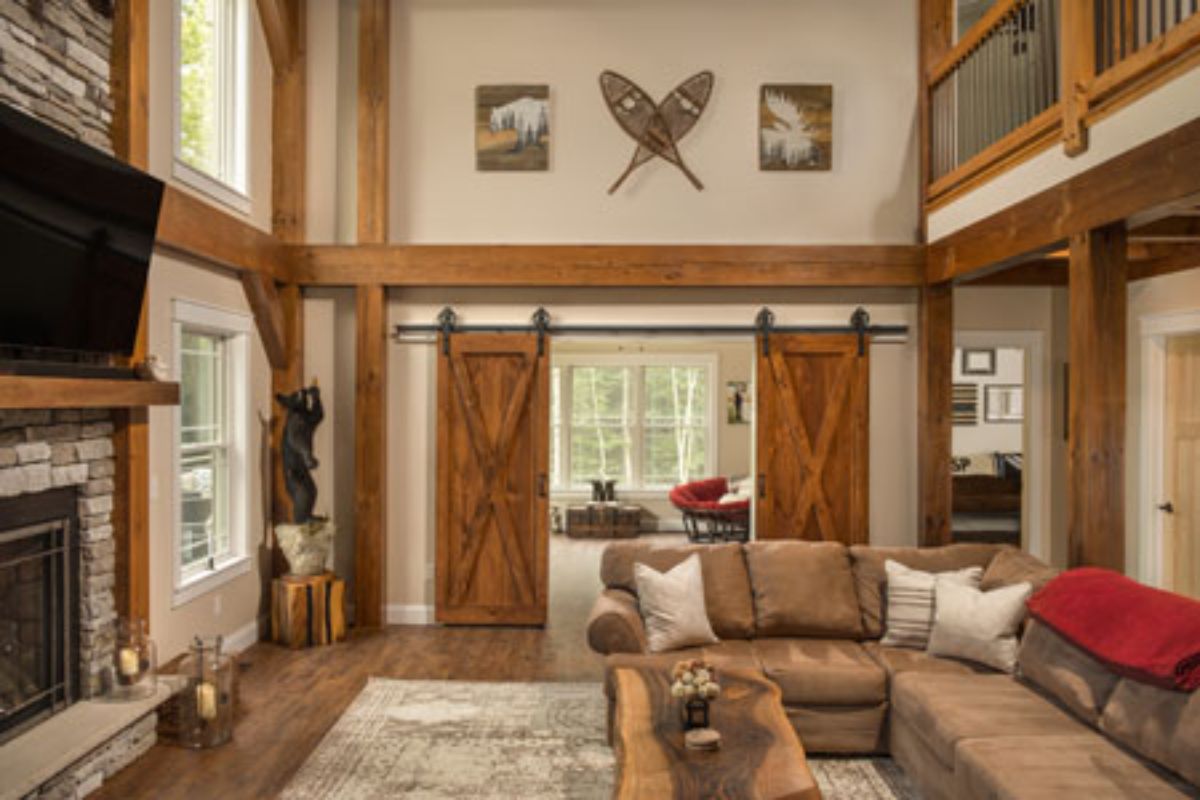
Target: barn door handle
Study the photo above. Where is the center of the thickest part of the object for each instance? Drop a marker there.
(542, 485)
(762, 486)
(1167, 507)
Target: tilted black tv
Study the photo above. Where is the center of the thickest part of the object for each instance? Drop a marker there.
(76, 233)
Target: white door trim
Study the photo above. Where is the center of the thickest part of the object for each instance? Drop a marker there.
(1153, 330)
(1035, 500)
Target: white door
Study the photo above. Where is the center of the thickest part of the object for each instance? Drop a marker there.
(1180, 503)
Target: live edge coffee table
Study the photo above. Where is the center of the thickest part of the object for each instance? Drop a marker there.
(760, 755)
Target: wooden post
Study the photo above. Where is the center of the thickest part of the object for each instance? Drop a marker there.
(934, 389)
(935, 21)
(1096, 423)
(1078, 70)
(370, 457)
(370, 417)
(130, 86)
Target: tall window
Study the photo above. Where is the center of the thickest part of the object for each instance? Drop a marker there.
(211, 444)
(211, 97)
(646, 423)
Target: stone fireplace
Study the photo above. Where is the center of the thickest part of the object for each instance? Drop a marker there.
(39, 607)
(58, 558)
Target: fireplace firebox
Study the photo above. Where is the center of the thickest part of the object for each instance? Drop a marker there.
(39, 607)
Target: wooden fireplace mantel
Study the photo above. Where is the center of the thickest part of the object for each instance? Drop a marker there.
(42, 392)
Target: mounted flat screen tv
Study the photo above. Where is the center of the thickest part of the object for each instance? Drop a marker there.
(76, 233)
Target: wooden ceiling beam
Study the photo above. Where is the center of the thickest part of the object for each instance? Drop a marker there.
(1158, 172)
(199, 229)
(609, 265)
(279, 24)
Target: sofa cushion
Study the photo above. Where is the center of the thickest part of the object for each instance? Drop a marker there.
(1067, 673)
(1011, 566)
(870, 579)
(839, 729)
(946, 709)
(897, 660)
(979, 626)
(729, 654)
(672, 606)
(829, 672)
(910, 602)
(726, 582)
(1057, 767)
(1161, 724)
(803, 589)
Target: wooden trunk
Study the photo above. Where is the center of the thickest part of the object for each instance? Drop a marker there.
(308, 610)
(600, 521)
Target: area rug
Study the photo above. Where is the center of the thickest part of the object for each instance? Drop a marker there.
(535, 741)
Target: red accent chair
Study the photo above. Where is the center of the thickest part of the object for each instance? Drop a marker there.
(705, 518)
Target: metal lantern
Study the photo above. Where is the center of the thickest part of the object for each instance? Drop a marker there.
(201, 714)
(695, 714)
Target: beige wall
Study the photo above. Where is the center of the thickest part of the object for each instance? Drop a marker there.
(233, 608)
(1169, 294)
(442, 49)
(412, 402)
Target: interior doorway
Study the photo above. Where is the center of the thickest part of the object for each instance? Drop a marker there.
(631, 420)
(1170, 458)
(999, 444)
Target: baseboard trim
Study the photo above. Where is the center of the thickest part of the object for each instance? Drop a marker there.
(243, 637)
(409, 615)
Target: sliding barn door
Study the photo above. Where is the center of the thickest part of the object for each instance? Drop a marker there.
(812, 439)
(492, 514)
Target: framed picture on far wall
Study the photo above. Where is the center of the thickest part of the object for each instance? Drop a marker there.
(978, 361)
(738, 403)
(512, 128)
(1003, 403)
(964, 404)
(795, 127)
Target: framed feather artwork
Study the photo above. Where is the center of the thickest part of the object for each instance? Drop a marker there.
(795, 127)
(512, 128)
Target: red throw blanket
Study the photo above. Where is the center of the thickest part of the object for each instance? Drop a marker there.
(1143, 633)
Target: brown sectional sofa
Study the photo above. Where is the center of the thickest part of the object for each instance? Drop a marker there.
(810, 616)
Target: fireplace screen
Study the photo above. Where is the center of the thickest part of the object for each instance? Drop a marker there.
(39, 602)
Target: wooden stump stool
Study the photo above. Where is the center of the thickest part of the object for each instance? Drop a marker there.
(308, 610)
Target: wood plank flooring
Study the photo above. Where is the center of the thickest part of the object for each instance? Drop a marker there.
(289, 699)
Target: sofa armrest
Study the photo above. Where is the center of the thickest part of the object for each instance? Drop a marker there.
(615, 624)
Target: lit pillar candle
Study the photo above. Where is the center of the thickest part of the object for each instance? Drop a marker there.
(206, 701)
(128, 662)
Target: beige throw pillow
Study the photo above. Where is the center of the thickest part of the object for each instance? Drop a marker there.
(910, 602)
(672, 605)
(978, 626)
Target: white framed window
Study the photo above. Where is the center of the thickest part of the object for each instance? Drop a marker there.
(648, 422)
(211, 444)
(211, 98)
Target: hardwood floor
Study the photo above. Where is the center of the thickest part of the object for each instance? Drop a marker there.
(290, 698)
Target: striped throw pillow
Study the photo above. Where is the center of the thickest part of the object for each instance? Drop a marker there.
(910, 602)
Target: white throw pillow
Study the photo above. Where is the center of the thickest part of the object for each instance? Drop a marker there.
(910, 602)
(672, 605)
(978, 626)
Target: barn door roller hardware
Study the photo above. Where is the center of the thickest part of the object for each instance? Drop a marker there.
(541, 323)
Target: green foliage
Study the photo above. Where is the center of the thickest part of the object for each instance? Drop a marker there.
(197, 85)
(614, 430)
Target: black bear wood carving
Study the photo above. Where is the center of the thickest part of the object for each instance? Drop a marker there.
(304, 413)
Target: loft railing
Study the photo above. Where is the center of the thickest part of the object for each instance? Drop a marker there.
(1032, 72)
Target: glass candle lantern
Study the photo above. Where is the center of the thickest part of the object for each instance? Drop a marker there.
(135, 661)
(203, 710)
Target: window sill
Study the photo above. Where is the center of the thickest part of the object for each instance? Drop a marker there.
(205, 582)
(211, 188)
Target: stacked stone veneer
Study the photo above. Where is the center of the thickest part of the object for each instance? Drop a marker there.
(54, 64)
(45, 449)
